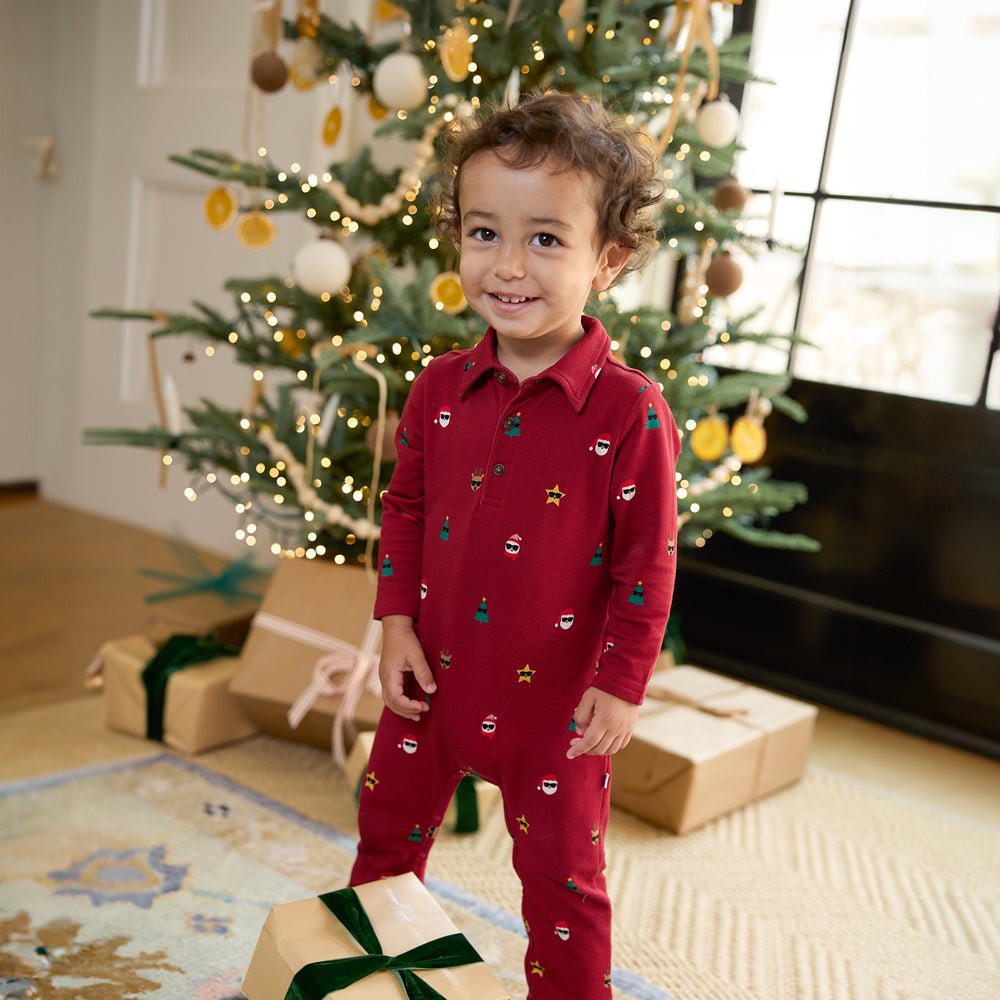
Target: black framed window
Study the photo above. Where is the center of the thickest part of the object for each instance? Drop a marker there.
(875, 162)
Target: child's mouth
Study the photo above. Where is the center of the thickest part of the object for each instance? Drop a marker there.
(511, 300)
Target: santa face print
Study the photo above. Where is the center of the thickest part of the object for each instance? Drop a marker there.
(443, 417)
(601, 446)
(423, 589)
(562, 930)
(513, 546)
(409, 744)
(566, 619)
(549, 784)
(627, 490)
(489, 726)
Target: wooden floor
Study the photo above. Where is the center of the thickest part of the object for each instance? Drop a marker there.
(71, 581)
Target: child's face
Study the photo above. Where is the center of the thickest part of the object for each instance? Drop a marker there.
(529, 253)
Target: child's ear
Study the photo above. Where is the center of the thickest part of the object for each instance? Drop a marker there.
(613, 258)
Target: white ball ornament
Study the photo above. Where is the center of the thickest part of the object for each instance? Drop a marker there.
(321, 267)
(717, 122)
(399, 81)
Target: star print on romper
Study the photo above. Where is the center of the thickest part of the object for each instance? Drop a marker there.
(554, 495)
(370, 780)
(537, 969)
(522, 822)
(525, 673)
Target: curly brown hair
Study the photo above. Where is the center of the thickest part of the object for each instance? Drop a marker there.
(577, 132)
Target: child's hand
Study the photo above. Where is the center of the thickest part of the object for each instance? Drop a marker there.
(402, 654)
(604, 724)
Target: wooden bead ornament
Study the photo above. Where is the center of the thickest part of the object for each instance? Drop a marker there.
(723, 276)
(730, 195)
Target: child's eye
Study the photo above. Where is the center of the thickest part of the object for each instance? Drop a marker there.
(482, 233)
(545, 240)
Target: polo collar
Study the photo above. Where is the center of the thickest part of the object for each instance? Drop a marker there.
(575, 372)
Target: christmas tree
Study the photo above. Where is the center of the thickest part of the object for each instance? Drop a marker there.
(376, 295)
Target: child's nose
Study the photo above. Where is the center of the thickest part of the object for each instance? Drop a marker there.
(510, 261)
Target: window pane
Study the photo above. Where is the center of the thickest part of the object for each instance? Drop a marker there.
(797, 46)
(770, 283)
(901, 299)
(993, 389)
(920, 107)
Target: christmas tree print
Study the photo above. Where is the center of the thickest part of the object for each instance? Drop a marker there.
(638, 596)
(387, 567)
(481, 613)
(416, 835)
(652, 420)
(444, 530)
(598, 556)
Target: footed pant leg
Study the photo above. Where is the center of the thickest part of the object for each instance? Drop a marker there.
(405, 791)
(558, 817)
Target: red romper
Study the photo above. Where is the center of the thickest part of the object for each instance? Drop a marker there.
(530, 531)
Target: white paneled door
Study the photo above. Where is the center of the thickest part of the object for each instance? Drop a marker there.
(169, 76)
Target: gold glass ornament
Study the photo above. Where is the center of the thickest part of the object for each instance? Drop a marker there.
(220, 207)
(748, 439)
(710, 438)
(455, 52)
(446, 292)
(332, 125)
(256, 231)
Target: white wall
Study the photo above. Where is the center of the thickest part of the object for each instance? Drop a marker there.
(121, 85)
(29, 70)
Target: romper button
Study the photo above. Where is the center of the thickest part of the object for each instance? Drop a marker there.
(508, 422)
(501, 377)
(498, 469)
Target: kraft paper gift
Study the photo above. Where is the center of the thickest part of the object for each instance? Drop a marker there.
(705, 745)
(314, 614)
(196, 711)
(382, 941)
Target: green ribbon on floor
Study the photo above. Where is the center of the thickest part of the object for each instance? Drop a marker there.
(177, 653)
(315, 980)
(466, 806)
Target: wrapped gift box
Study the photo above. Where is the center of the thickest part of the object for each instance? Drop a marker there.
(199, 712)
(307, 935)
(468, 808)
(705, 745)
(310, 608)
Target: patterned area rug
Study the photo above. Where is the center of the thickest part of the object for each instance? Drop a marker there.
(151, 877)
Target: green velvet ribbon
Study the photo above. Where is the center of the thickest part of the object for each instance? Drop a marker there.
(178, 652)
(317, 979)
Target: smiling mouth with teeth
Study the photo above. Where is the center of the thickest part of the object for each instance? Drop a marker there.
(510, 300)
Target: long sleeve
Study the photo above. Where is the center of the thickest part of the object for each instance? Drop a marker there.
(643, 552)
(401, 539)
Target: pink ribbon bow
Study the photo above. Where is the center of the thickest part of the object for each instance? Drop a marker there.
(346, 672)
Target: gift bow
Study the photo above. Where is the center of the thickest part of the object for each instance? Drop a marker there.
(317, 979)
(357, 667)
(665, 694)
(177, 653)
